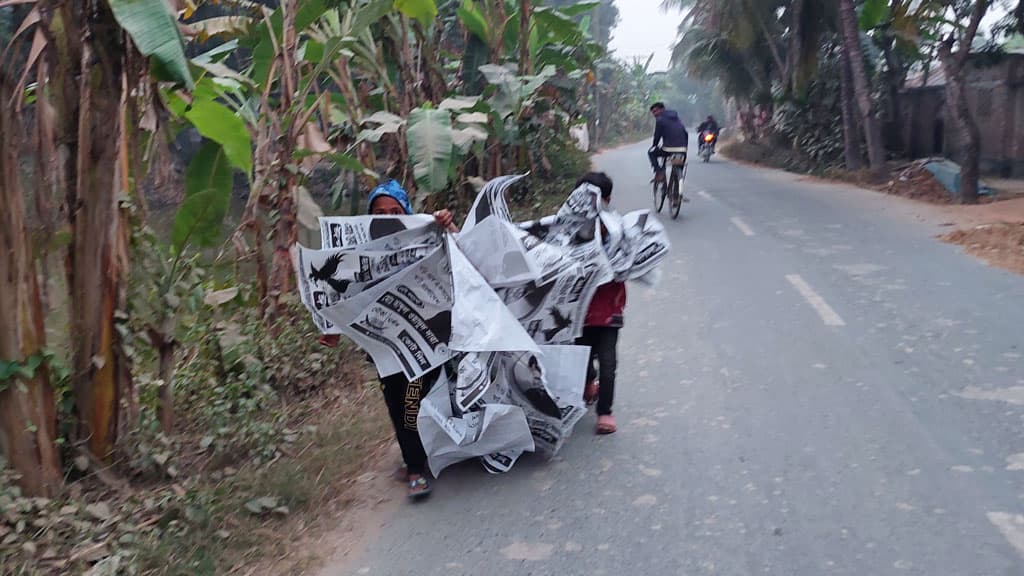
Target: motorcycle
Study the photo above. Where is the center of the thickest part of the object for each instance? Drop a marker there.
(707, 145)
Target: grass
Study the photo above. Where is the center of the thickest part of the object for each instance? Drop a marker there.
(198, 522)
(771, 154)
(224, 535)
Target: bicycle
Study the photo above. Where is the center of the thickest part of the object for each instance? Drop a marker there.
(671, 186)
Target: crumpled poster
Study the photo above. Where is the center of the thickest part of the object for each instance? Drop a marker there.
(497, 306)
(545, 388)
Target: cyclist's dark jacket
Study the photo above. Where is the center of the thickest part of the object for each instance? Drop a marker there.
(670, 130)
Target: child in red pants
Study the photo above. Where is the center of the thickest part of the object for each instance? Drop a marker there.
(601, 331)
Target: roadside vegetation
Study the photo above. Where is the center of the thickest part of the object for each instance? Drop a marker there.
(816, 86)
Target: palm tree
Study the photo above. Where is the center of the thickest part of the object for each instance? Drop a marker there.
(789, 31)
(861, 87)
(954, 51)
(722, 41)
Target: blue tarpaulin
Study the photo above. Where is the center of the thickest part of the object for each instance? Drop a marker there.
(948, 174)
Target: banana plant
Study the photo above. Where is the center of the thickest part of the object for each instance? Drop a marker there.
(556, 36)
(511, 93)
(97, 119)
(438, 137)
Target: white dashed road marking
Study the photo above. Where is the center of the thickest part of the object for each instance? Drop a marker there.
(828, 315)
(1012, 528)
(739, 223)
(703, 194)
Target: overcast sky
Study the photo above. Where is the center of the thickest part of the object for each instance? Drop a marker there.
(644, 30)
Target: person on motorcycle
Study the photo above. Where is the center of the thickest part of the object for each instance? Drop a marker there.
(670, 133)
(708, 126)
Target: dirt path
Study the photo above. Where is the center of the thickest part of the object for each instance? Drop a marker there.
(993, 232)
(334, 536)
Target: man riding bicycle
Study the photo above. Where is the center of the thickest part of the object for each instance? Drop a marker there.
(670, 132)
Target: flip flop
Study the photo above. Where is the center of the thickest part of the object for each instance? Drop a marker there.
(419, 488)
(591, 392)
(606, 424)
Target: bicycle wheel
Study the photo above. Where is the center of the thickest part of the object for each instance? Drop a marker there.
(659, 195)
(674, 192)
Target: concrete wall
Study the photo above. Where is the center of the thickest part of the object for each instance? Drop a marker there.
(923, 124)
(1015, 139)
(995, 93)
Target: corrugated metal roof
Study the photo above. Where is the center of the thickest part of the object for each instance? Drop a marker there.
(936, 77)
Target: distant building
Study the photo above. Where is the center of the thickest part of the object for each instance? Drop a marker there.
(995, 94)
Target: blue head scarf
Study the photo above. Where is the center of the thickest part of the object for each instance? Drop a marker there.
(394, 190)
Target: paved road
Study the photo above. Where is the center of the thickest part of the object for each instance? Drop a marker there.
(816, 387)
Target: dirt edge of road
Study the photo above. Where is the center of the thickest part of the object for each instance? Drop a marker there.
(993, 232)
(1000, 244)
(336, 535)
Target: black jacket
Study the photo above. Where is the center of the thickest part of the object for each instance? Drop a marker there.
(670, 130)
(708, 126)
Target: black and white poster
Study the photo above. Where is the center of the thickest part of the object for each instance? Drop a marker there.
(498, 306)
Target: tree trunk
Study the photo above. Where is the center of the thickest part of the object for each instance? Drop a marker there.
(46, 192)
(286, 235)
(407, 97)
(62, 28)
(498, 29)
(99, 251)
(894, 77)
(284, 180)
(970, 136)
(525, 67)
(28, 416)
(796, 39)
(953, 64)
(862, 88)
(433, 77)
(927, 71)
(851, 132)
(525, 11)
(770, 38)
(497, 52)
(409, 81)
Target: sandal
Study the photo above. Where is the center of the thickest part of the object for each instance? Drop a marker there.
(419, 487)
(590, 392)
(606, 424)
